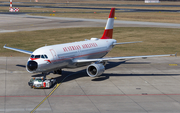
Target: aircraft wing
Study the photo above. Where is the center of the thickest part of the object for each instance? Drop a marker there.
(19, 50)
(119, 58)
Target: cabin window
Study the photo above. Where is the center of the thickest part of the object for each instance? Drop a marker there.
(37, 56)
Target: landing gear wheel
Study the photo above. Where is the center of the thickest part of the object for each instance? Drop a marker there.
(59, 71)
(54, 72)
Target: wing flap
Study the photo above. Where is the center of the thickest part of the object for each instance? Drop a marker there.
(19, 50)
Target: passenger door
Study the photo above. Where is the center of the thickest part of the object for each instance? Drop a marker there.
(54, 55)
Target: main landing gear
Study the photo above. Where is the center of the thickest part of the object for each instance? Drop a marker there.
(59, 71)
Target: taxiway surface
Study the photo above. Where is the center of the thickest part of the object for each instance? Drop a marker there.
(23, 22)
(138, 85)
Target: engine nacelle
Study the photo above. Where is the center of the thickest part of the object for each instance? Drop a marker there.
(95, 70)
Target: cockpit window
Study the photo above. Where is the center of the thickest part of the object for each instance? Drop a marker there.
(32, 56)
(37, 56)
(46, 56)
(42, 56)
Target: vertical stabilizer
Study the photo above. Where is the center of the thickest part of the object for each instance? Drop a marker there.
(108, 32)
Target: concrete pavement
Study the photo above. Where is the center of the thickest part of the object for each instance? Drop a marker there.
(14, 23)
(139, 85)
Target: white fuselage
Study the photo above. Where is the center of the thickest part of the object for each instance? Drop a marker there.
(62, 55)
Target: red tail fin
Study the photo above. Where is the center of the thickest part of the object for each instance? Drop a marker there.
(108, 32)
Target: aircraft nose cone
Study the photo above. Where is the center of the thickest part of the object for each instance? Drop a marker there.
(32, 65)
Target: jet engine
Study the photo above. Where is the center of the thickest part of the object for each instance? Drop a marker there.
(95, 70)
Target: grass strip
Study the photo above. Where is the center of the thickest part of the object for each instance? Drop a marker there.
(155, 40)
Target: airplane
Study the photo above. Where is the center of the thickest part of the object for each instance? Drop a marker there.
(88, 53)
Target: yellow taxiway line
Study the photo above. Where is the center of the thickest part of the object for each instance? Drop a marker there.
(58, 84)
(173, 65)
(46, 97)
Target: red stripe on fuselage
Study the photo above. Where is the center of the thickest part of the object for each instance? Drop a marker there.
(39, 58)
(48, 61)
(34, 58)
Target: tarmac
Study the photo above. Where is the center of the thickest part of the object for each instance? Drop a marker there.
(136, 85)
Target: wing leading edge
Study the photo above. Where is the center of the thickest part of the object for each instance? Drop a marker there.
(19, 50)
(119, 58)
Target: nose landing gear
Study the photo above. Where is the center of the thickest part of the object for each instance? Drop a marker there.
(44, 75)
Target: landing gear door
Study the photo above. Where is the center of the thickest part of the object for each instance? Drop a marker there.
(54, 55)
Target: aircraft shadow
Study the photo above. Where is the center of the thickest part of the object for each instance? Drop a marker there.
(82, 73)
(104, 76)
(64, 77)
(115, 64)
(19, 65)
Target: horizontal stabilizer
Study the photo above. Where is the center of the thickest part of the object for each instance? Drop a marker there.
(126, 43)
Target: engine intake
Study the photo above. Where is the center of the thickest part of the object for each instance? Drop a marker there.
(95, 70)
